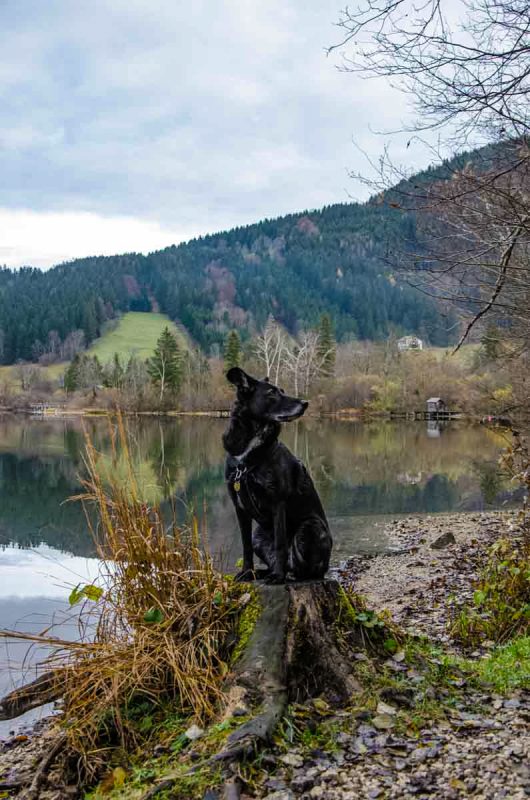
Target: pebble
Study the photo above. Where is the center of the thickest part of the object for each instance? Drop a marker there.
(481, 751)
(292, 760)
(444, 540)
(384, 721)
(384, 708)
(302, 783)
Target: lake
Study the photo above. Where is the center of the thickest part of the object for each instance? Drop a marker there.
(366, 473)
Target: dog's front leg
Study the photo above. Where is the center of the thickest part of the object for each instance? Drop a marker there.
(280, 546)
(245, 526)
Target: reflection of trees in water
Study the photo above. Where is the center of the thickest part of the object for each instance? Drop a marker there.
(495, 486)
(358, 468)
(437, 494)
(33, 510)
(173, 458)
(365, 453)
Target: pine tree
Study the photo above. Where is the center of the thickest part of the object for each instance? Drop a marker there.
(232, 350)
(71, 376)
(90, 320)
(491, 342)
(115, 372)
(165, 367)
(327, 345)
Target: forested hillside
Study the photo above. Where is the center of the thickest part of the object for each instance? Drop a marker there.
(335, 260)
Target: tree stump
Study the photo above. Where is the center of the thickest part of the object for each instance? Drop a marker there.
(295, 652)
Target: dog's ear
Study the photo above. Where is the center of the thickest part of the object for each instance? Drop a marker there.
(239, 378)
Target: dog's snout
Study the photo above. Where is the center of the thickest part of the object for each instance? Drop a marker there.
(305, 404)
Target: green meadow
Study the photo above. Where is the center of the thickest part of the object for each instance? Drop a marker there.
(135, 334)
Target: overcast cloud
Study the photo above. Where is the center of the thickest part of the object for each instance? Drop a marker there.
(133, 124)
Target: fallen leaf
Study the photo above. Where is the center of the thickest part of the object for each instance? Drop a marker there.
(217, 598)
(321, 706)
(153, 615)
(119, 775)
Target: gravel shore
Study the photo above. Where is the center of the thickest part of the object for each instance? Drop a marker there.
(479, 748)
(437, 557)
(482, 748)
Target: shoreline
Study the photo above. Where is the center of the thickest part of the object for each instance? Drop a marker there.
(435, 556)
(479, 748)
(344, 415)
(413, 582)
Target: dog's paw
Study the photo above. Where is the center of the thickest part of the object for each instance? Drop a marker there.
(274, 579)
(245, 576)
(262, 574)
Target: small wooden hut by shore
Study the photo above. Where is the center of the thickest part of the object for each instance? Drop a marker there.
(436, 407)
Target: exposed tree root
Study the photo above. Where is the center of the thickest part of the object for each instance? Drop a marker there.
(45, 689)
(159, 788)
(296, 650)
(33, 791)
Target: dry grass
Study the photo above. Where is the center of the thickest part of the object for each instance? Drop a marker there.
(155, 632)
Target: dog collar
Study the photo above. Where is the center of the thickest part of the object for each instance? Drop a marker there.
(243, 469)
(240, 473)
(237, 478)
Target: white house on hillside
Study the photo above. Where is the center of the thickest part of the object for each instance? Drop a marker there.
(409, 343)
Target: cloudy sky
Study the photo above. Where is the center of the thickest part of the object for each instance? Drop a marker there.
(133, 124)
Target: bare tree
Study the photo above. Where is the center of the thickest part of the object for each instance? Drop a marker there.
(196, 376)
(305, 361)
(271, 349)
(135, 381)
(473, 72)
(467, 72)
(477, 234)
(27, 374)
(73, 344)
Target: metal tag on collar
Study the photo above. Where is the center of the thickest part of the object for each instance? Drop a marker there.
(237, 483)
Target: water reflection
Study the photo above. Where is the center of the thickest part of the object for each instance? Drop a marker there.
(359, 469)
(34, 586)
(18, 660)
(435, 428)
(364, 473)
(42, 572)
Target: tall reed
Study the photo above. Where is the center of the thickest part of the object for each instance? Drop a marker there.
(156, 629)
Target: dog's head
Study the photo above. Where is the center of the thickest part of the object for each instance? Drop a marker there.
(261, 400)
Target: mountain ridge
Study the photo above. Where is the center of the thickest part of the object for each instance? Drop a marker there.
(336, 259)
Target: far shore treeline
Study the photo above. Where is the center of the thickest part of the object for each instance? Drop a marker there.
(316, 300)
(356, 377)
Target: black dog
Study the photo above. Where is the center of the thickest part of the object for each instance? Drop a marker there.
(269, 485)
